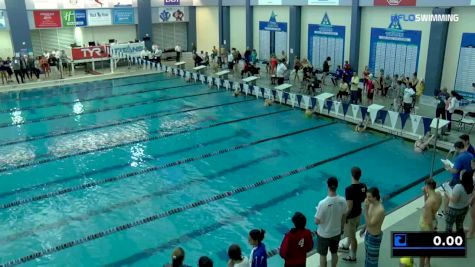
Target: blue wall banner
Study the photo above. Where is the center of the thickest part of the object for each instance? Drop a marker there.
(123, 16)
(272, 37)
(394, 50)
(465, 78)
(326, 40)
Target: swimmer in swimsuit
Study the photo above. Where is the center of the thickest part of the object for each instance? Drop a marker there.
(362, 126)
(433, 201)
(422, 144)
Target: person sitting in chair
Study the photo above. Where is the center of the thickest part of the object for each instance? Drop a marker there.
(246, 69)
(197, 59)
(254, 70)
(422, 144)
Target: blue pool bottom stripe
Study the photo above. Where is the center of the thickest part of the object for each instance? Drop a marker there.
(44, 159)
(98, 110)
(153, 115)
(151, 169)
(240, 216)
(95, 98)
(202, 202)
(80, 87)
(138, 200)
(118, 166)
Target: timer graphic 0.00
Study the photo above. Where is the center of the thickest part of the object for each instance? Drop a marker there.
(420, 244)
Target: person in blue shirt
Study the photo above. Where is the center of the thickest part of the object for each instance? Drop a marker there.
(339, 73)
(465, 138)
(258, 253)
(461, 162)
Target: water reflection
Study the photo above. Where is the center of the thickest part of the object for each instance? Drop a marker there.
(78, 107)
(17, 117)
(138, 154)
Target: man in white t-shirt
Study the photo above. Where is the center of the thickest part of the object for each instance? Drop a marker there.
(178, 52)
(280, 72)
(330, 218)
(408, 99)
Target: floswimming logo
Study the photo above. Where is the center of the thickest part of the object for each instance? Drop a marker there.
(425, 17)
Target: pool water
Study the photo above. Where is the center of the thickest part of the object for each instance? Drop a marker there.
(119, 172)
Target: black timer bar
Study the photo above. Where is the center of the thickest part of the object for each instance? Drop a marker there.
(425, 244)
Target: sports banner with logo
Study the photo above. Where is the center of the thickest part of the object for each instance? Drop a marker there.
(326, 40)
(172, 14)
(123, 16)
(171, 2)
(323, 2)
(74, 18)
(132, 49)
(272, 37)
(73, 4)
(394, 50)
(47, 18)
(394, 2)
(99, 17)
(45, 4)
(90, 52)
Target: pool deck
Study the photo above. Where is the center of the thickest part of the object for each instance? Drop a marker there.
(403, 219)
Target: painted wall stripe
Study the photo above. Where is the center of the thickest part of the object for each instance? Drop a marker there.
(158, 216)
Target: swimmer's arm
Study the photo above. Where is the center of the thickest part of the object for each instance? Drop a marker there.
(451, 170)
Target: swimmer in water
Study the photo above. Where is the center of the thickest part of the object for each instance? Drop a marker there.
(308, 112)
(268, 102)
(361, 127)
(422, 144)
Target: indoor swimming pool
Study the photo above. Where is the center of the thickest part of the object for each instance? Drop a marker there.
(119, 172)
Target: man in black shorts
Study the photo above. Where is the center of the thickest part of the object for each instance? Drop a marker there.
(330, 216)
(355, 194)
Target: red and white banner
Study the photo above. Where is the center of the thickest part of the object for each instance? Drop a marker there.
(90, 52)
(47, 18)
(394, 2)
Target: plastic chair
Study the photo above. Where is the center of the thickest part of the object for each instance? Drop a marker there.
(457, 117)
(468, 120)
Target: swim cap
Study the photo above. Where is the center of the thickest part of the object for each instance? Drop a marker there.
(407, 261)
